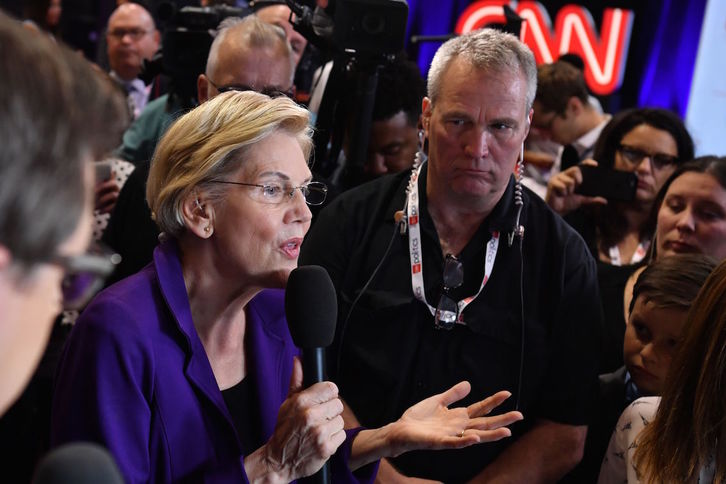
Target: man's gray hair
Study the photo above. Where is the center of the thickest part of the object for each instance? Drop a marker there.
(485, 49)
(252, 33)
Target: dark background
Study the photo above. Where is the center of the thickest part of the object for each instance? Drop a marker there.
(661, 56)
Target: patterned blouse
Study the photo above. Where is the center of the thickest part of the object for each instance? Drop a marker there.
(618, 466)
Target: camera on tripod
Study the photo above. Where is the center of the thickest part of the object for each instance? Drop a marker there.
(362, 27)
(370, 27)
(360, 36)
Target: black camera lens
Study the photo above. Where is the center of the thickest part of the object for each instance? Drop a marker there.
(373, 24)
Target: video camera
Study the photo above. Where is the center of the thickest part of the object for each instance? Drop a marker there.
(368, 28)
(187, 37)
(360, 36)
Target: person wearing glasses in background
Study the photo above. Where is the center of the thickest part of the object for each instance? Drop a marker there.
(651, 143)
(691, 219)
(131, 37)
(564, 113)
(185, 371)
(457, 293)
(46, 182)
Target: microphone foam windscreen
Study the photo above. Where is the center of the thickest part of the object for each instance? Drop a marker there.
(311, 307)
(78, 463)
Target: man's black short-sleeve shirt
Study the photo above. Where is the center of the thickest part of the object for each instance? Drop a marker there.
(391, 356)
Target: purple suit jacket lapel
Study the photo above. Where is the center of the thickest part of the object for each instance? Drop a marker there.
(270, 353)
(173, 289)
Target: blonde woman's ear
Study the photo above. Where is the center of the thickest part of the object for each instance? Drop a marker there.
(198, 216)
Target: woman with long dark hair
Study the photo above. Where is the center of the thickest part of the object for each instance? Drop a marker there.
(651, 143)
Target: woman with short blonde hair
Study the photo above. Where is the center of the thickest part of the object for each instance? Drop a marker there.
(189, 158)
(186, 370)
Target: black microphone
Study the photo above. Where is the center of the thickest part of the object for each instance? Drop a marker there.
(311, 307)
(78, 463)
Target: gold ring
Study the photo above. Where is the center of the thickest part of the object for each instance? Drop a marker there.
(461, 434)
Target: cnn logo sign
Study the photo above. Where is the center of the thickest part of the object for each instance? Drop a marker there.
(574, 31)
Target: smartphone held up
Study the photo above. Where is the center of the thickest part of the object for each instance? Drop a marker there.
(611, 184)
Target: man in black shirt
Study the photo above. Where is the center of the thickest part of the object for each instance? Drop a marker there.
(523, 316)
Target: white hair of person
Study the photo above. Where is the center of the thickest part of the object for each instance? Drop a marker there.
(249, 32)
(489, 50)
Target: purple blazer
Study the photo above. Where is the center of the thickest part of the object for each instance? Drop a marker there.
(135, 378)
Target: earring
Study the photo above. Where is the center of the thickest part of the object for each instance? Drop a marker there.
(199, 205)
(420, 157)
(208, 230)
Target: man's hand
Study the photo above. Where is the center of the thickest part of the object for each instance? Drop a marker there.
(431, 424)
(541, 160)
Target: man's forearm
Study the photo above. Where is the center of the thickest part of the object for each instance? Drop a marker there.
(544, 454)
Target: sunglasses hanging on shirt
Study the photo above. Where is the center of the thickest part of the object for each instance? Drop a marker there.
(447, 310)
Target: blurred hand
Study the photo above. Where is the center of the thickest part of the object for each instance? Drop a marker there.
(561, 196)
(322, 3)
(309, 429)
(105, 194)
(430, 424)
(539, 159)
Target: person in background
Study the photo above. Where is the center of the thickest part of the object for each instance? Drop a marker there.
(440, 298)
(132, 37)
(196, 344)
(663, 295)
(578, 62)
(690, 214)
(243, 54)
(276, 12)
(46, 180)
(308, 57)
(652, 143)
(394, 132)
(43, 16)
(542, 155)
(564, 113)
(678, 437)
